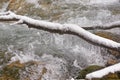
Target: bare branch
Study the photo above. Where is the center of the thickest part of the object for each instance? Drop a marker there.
(64, 28)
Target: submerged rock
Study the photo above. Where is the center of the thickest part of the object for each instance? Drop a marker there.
(40, 8)
(110, 76)
(13, 71)
(47, 68)
(87, 70)
(4, 57)
(2, 2)
(114, 37)
(108, 35)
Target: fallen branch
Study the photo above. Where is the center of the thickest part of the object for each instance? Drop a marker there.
(62, 28)
(103, 72)
(105, 26)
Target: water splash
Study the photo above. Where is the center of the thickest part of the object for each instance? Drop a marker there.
(54, 50)
(62, 55)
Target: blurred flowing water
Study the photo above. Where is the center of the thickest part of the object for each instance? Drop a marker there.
(63, 55)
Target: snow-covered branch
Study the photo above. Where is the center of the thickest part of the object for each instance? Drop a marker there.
(111, 25)
(63, 28)
(103, 72)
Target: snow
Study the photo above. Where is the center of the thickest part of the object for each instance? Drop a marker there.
(103, 72)
(94, 38)
(65, 27)
(72, 79)
(117, 23)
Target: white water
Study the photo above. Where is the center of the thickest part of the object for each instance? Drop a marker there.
(61, 54)
(62, 50)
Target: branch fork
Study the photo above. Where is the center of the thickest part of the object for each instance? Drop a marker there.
(72, 29)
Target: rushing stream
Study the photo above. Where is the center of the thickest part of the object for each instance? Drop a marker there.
(62, 55)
